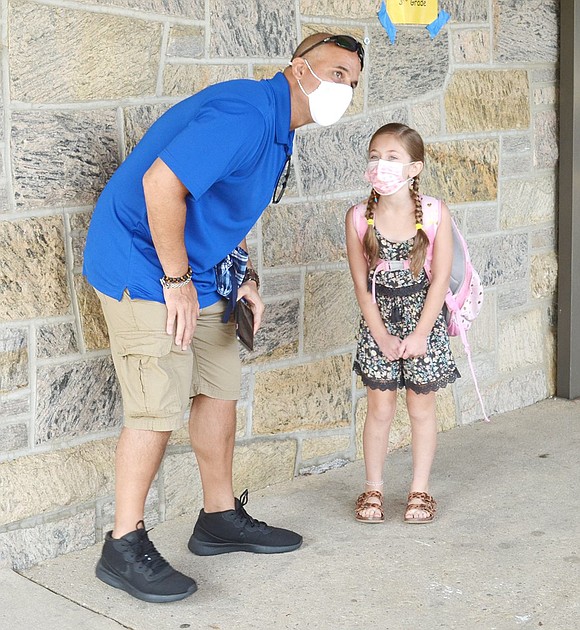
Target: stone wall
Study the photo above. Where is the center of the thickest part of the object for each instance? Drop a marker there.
(80, 82)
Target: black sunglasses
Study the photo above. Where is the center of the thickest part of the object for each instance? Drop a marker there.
(282, 181)
(344, 41)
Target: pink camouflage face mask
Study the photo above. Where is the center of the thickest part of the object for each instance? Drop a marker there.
(386, 176)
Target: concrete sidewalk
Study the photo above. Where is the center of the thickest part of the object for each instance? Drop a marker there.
(502, 553)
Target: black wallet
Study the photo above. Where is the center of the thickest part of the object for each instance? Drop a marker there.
(244, 318)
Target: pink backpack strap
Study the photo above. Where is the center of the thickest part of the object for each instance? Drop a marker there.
(359, 221)
(387, 265)
(431, 220)
(467, 348)
(361, 227)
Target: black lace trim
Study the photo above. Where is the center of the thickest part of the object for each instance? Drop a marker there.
(433, 387)
(373, 384)
(393, 385)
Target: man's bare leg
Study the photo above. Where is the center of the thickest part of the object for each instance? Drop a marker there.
(212, 430)
(218, 528)
(137, 460)
(129, 560)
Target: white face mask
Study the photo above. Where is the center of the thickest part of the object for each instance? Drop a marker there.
(386, 176)
(328, 101)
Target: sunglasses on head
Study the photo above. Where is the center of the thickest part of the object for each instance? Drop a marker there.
(344, 41)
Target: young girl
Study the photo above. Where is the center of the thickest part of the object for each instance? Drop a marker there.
(402, 338)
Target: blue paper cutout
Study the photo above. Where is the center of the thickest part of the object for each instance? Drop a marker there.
(438, 23)
(385, 20)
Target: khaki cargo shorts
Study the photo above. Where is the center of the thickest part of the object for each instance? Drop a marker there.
(158, 378)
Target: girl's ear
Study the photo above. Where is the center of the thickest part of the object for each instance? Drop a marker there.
(415, 169)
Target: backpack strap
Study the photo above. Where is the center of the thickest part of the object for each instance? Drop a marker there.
(387, 265)
(361, 227)
(358, 220)
(431, 221)
(467, 348)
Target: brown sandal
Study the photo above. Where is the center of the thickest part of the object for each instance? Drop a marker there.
(363, 503)
(428, 504)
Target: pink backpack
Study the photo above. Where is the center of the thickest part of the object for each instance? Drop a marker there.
(464, 297)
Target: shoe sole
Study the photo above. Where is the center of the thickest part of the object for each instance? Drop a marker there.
(116, 581)
(202, 548)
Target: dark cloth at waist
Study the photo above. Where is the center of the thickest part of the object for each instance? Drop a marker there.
(411, 289)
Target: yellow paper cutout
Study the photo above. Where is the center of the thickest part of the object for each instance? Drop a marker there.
(412, 11)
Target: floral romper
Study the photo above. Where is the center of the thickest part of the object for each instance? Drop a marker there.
(400, 298)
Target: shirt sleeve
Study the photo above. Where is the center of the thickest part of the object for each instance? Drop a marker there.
(224, 137)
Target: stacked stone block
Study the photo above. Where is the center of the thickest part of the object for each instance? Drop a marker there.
(82, 81)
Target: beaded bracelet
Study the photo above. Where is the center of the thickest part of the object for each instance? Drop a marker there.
(174, 283)
(251, 274)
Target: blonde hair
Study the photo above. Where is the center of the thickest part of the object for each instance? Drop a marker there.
(413, 145)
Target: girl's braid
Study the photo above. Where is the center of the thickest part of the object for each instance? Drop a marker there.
(370, 242)
(419, 249)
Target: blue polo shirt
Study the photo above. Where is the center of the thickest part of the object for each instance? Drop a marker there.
(228, 145)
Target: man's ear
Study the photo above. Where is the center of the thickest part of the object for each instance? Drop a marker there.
(298, 67)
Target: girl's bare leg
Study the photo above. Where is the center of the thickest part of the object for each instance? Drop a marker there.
(380, 412)
(421, 408)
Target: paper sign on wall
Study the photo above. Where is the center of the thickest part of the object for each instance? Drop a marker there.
(412, 11)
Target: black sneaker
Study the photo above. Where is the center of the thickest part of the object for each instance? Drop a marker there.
(236, 530)
(132, 564)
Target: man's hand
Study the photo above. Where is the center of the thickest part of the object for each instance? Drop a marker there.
(182, 313)
(249, 292)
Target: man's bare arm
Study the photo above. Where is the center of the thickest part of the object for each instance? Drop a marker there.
(165, 199)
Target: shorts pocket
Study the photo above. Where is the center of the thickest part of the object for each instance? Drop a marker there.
(154, 377)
